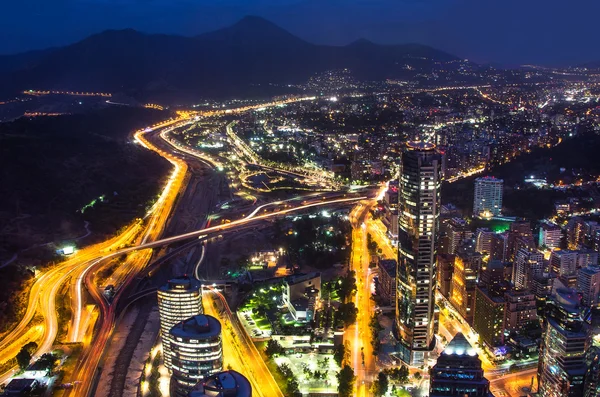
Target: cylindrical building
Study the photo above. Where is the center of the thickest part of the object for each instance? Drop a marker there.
(224, 384)
(196, 351)
(178, 300)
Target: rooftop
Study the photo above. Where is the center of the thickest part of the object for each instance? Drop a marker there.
(200, 326)
(459, 346)
(420, 145)
(224, 384)
(182, 283)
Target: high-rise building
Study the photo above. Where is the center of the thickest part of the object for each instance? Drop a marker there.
(520, 309)
(179, 299)
(528, 264)
(457, 231)
(387, 280)
(223, 384)
(550, 236)
(488, 319)
(419, 211)
(562, 365)
(499, 247)
(519, 236)
(444, 273)
(491, 273)
(488, 197)
(458, 372)
(591, 387)
(483, 240)
(464, 281)
(588, 283)
(197, 351)
(563, 262)
(580, 232)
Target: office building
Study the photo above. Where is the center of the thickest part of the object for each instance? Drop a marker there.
(464, 280)
(483, 240)
(197, 351)
(591, 386)
(491, 273)
(519, 236)
(387, 280)
(458, 372)
(520, 309)
(563, 262)
(223, 384)
(444, 273)
(487, 201)
(488, 319)
(550, 236)
(588, 284)
(301, 294)
(528, 264)
(562, 364)
(419, 211)
(456, 231)
(179, 299)
(499, 247)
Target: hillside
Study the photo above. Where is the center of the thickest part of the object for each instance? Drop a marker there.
(226, 62)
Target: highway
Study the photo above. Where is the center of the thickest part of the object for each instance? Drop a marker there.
(361, 350)
(81, 267)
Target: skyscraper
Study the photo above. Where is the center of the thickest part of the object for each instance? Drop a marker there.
(562, 365)
(458, 372)
(197, 351)
(179, 299)
(419, 211)
(487, 201)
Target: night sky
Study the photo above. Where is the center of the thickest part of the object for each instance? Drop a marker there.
(509, 32)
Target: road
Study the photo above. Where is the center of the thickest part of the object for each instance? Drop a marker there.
(361, 349)
(81, 266)
(238, 349)
(512, 385)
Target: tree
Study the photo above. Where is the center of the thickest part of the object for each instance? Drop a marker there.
(273, 348)
(23, 358)
(381, 384)
(24, 355)
(418, 375)
(339, 354)
(347, 286)
(346, 380)
(347, 313)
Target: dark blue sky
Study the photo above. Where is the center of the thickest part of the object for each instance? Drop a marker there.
(503, 31)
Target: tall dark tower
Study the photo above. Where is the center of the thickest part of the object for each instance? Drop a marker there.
(418, 217)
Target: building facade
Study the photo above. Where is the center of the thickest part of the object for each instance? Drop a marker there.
(419, 211)
(562, 364)
(487, 201)
(550, 236)
(197, 351)
(489, 316)
(588, 284)
(178, 300)
(520, 309)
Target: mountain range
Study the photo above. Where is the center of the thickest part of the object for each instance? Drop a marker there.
(252, 55)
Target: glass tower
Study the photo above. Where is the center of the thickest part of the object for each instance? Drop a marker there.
(418, 218)
(178, 300)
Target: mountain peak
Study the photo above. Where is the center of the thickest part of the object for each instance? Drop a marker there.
(253, 30)
(361, 42)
